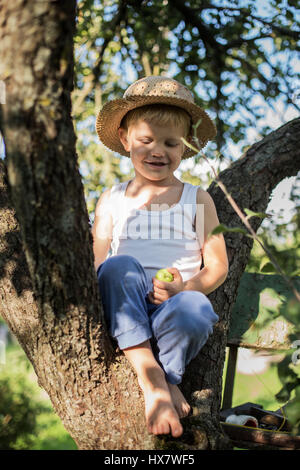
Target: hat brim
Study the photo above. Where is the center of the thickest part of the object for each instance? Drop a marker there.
(109, 119)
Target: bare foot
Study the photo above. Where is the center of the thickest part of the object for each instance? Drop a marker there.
(161, 416)
(181, 405)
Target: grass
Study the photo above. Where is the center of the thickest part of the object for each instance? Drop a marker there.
(51, 435)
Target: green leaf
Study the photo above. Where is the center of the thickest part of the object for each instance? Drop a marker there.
(267, 267)
(286, 375)
(223, 228)
(261, 215)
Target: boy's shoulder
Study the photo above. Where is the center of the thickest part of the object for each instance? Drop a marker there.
(105, 195)
(203, 197)
(108, 195)
(107, 192)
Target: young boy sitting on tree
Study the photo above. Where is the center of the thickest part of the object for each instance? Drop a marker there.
(151, 222)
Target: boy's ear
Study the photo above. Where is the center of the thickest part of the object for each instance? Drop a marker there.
(123, 135)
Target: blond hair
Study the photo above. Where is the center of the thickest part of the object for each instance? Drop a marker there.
(161, 114)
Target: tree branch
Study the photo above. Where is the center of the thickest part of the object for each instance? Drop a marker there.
(110, 29)
(246, 14)
(191, 17)
(286, 32)
(250, 180)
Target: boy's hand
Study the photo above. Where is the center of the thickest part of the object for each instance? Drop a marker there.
(164, 290)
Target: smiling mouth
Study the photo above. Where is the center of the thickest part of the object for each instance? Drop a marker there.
(158, 164)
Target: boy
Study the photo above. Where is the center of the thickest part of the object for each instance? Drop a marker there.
(160, 326)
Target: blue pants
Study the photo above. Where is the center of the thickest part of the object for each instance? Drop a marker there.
(177, 328)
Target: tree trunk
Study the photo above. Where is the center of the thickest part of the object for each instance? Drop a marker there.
(49, 291)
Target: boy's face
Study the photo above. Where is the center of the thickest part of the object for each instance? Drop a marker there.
(155, 150)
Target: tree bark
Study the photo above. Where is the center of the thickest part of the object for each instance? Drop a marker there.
(49, 291)
(250, 181)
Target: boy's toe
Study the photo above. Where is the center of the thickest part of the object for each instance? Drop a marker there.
(185, 410)
(177, 430)
(164, 428)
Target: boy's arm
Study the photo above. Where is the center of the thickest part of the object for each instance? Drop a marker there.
(102, 229)
(215, 260)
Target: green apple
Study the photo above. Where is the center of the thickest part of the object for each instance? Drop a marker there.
(164, 275)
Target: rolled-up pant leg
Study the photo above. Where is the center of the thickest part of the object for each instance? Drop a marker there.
(181, 326)
(123, 287)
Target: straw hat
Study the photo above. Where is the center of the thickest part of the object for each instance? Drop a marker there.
(151, 90)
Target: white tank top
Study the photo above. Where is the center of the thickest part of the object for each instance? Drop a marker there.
(157, 238)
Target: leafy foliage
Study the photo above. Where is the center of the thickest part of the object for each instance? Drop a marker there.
(18, 407)
(237, 57)
(289, 368)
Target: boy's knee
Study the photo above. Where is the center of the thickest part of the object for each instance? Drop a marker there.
(117, 265)
(191, 300)
(195, 314)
